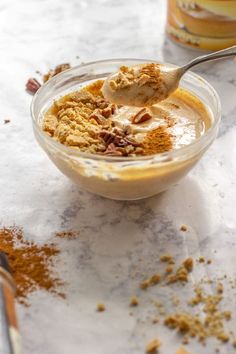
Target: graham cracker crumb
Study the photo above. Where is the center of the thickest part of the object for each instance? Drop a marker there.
(220, 288)
(201, 259)
(227, 315)
(134, 301)
(101, 307)
(153, 346)
(153, 280)
(188, 264)
(83, 120)
(183, 228)
(182, 272)
(169, 269)
(209, 261)
(167, 258)
(223, 337)
(147, 74)
(182, 351)
(6, 121)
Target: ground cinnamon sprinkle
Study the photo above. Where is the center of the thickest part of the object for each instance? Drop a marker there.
(157, 141)
(30, 264)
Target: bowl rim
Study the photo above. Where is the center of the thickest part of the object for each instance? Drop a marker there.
(157, 157)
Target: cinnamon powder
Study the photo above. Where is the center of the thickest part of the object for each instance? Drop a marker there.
(157, 141)
(30, 264)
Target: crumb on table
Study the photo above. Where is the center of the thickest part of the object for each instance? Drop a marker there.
(153, 346)
(181, 350)
(134, 301)
(183, 228)
(101, 307)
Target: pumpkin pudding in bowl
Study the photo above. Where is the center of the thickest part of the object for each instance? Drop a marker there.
(123, 152)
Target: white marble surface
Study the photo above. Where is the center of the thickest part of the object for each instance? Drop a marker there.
(103, 264)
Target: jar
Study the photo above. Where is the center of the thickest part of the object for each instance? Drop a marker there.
(202, 24)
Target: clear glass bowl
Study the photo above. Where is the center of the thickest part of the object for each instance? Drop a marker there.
(121, 178)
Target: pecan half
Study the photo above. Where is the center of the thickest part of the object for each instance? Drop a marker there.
(32, 85)
(141, 116)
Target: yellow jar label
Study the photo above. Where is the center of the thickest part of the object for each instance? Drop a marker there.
(202, 24)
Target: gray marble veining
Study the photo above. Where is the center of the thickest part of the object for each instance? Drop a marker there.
(120, 242)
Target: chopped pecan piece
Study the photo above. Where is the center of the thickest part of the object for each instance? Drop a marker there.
(32, 85)
(113, 108)
(112, 151)
(107, 136)
(101, 103)
(100, 119)
(107, 112)
(119, 141)
(141, 116)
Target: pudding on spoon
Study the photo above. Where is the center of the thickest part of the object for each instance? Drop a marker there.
(150, 83)
(141, 85)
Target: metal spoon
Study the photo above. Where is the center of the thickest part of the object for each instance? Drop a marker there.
(135, 91)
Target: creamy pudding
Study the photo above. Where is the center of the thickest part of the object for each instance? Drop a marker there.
(86, 121)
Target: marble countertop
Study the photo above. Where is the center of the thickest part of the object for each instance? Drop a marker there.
(119, 241)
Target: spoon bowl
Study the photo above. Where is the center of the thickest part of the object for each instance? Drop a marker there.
(139, 90)
(146, 84)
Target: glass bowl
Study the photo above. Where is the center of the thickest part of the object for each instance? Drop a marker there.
(121, 178)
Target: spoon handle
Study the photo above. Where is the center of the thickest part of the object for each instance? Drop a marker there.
(228, 52)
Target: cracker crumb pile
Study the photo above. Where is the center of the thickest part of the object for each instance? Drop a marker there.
(148, 74)
(182, 272)
(202, 316)
(209, 325)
